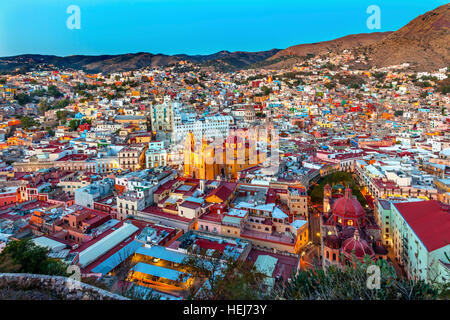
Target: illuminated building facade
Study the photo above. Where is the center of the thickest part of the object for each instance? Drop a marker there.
(208, 160)
(348, 232)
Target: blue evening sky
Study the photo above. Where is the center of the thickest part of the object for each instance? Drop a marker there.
(189, 26)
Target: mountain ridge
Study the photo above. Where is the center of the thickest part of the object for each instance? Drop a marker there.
(132, 61)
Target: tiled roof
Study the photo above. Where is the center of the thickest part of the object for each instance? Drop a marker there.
(430, 221)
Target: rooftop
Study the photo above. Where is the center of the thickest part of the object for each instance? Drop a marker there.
(430, 221)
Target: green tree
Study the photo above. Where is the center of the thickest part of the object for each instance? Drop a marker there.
(74, 124)
(61, 104)
(39, 93)
(61, 115)
(24, 256)
(335, 178)
(380, 76)
(43, 106)
(50, 131)
(350, 283)
(28, 122)
(266, 91)
(23, 99)
(330, 85)
(223, 278)
(54, 92)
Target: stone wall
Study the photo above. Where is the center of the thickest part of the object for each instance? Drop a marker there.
(58, 287)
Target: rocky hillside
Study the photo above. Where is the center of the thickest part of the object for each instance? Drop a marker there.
(22, 286)
(347, 42)
(424, 43)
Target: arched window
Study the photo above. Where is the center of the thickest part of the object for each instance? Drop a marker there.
(334, 256)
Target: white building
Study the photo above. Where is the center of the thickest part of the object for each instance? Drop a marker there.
(208, 127)
(155, 155)
(161, 115)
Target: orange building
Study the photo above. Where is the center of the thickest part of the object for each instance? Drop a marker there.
(209, 160)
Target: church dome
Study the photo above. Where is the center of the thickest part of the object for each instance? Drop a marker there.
(347, 232)
(348, 207)
(357, 246)
(332, 242)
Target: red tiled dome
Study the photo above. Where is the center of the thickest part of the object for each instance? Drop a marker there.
(347, 232)
(357, 246)
(332, 242)
(348, 207)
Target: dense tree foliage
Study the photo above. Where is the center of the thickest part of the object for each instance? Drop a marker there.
(74, 124)
(61, 104)
(23, 98)
(380, 76)
(343, 178)
(355, 284)
(54, 92)
(24, 256)
(353, 81)
(224, 278)
(227, 279)
(444, 86)
(330, 85)
(28, 122)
